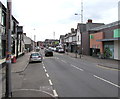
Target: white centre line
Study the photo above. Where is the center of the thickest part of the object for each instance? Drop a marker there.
(47, 75)
(44, 67)
(77, 68)
(107, 81)
(50, 82)
(55, 93)
(63, 61)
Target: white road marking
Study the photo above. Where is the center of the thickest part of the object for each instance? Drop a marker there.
(77, 68)
(50, 82)
(107, 81)
(36, 91)
(55, 93)
(63, 61)
(45, 70)
(44, 67)
(47, 75)
(57, 58)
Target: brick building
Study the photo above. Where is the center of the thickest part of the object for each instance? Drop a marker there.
(109, 38)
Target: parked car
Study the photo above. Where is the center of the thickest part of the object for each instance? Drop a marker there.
(54, 49)
(42, 47)
(35, 57)
(48, 52)
(61, 50)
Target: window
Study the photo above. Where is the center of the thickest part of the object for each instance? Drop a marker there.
(0, 48)
(78, 37)
(3, 19)
(0, 14)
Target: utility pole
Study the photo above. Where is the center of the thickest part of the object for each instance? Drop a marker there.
(34, 41)
(81, 54)
(8, 93)
(81, 11)
(54, 35)
(81, 28)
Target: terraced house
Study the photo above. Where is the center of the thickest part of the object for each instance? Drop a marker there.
(17, 44)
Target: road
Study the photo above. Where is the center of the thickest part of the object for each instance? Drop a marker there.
(64, 76)
(75, 78)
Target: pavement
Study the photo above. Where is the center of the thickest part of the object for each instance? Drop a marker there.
(21, 63)
(108, 63)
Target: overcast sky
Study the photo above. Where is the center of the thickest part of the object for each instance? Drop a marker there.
(44, 17)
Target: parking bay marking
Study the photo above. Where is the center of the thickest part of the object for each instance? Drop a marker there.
(47, 75)
(50, 82)
(55, 93)
(45, 70)
(107, 81)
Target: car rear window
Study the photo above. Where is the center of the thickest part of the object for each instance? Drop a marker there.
(35, 54)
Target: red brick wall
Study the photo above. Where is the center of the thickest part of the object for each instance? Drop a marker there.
(96, 44)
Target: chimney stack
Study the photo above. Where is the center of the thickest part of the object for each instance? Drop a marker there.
(89, 20)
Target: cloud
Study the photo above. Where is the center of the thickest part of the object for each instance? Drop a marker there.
(48, 16)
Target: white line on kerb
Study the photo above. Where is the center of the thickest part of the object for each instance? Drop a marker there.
(77, 68)
(63, 61)
(47, 75)
(107, 81)
(50, 82)
(55, 93)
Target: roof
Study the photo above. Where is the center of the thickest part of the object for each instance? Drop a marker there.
(106, 26)
(103, 40)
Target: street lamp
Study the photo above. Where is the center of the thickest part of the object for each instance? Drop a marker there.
(81, 29)
(34, 40)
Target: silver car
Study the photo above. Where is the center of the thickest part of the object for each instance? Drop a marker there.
(35, 57)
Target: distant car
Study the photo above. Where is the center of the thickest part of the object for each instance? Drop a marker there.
(48, 52)
(54, 49)
(61, 50)
(35, 57)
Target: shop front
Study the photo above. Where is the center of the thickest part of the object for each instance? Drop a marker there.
(109, 50)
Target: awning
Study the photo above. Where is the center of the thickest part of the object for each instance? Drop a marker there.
(103, 40)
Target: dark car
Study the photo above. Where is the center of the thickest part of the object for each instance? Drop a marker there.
(48, 52)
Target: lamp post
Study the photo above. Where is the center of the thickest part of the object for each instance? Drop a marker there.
(8, 92)
(34, 40)
(81, 15)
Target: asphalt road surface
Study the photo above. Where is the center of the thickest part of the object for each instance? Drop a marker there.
(73, 77)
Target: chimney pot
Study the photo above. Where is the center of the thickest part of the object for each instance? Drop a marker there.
(89, 20)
